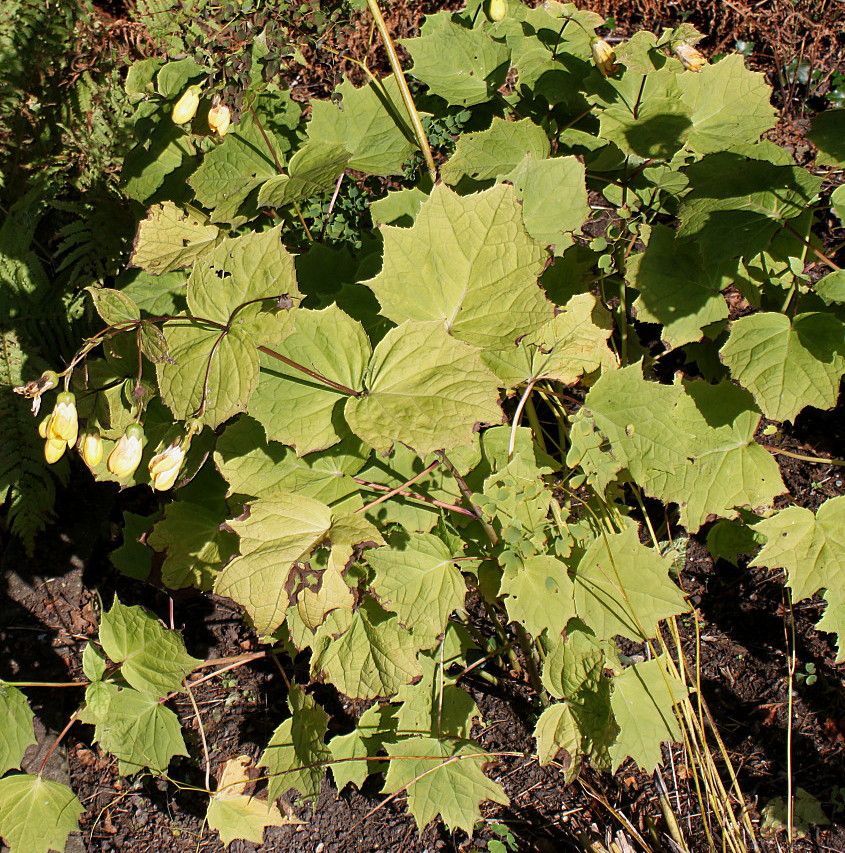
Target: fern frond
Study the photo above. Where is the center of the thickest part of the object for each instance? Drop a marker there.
(25, 479)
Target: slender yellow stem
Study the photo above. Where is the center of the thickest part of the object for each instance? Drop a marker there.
(399, 74)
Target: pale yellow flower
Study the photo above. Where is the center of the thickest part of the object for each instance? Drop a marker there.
(691, 58)
(63, 424)
(219, 118)
(603, 56)
(126, 455)
(54, 449)
(91, 447)
(186, 107)
(164, 466)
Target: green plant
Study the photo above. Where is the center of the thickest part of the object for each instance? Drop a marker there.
(464, 409)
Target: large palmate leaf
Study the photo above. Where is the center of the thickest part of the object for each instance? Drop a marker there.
(315, 167)
(642, 114)
(276, 534)
(812, 550)
(540, 595)
(571, 344)
(494, 153)
(442, 778)
(680, 443)
(468, 262)
(827, 133)
(36, 815)
(374, 657)
(435, 705)
(296, 747)
(643, 699)
(211, 374)
(425, 389)
(152, 658)
(729, 105)
(195, 546)
(234, 814)
(233, 169)
(171, 238)
(370, 123)
(418, 581)
(677, 288)
(238, 271)
(623, 588)
(553, 193)
(461, 66)
(295, 408)
(785, 363)
(17, 732)
(134, 727)
(254, 467)
(736, 205)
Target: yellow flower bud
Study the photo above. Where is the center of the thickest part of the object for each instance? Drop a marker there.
(126, 455)
(164, 466)
(603, 56)
(63, 423)
(497, 9)
(91, 447)
(186, 107)
(219, 118)
(54, 449)
(691, 58)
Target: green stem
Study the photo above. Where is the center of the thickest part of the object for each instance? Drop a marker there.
(413, 115)
(817, 459)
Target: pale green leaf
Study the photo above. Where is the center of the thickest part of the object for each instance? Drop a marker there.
(94, 662)
(16, 733)
(277, 533)
(622, 587)
(736, 206)
(643, 699)
(461, 66)
(315, 167)
(540, 595)
(136, 728)
(297, 409)
(425, 389)
(573, 665)
(643, 114)
(831, 288)
(435, 705)
(442, 778)
(195, 546)
(152, 658)
(113, 306)
(254, 467)
(564, 348)
(150, 162)
(231, 368)
(418, 581)
(37, 815)
(787, 364)
(803, 812)
(374, 657)
(242, 269)
(812, 550)
(399, 207)
(468, 262)
(494, 153)
(296, 744)
(729, 105)
(376, 727)
(233, 169)
(553, 193)
(677, 288)
(370, 123)
(171, 238)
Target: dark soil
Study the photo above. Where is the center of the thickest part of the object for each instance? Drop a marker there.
(49, 604)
